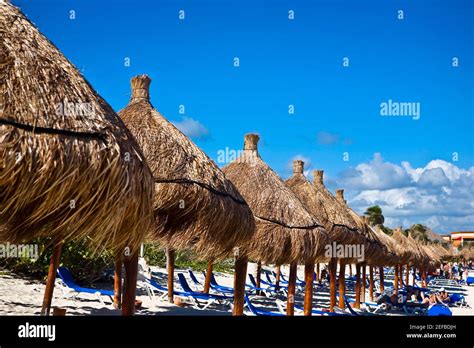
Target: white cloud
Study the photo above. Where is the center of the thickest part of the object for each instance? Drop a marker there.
(326, 138)
(439, 195)
(192, 128)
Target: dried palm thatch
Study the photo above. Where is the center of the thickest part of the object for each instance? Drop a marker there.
(411, 253)
(322, 204)
(285, 230)
(433, 254)
(195, 205)
(466, 253)
(70, 169)
(393, 252)
(375, 251)
(424, 255)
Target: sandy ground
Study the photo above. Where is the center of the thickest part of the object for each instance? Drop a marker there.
(20, 296)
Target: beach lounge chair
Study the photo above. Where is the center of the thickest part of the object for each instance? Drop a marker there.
(66, 278)
(270, 284)
(220, 288)
(320, 312)
(470, 280)
(254, 288)
(260, 312)
(151, 286)
(200, 300)
(457, 300)
(439, 310)
(298, 282)
(197, 283)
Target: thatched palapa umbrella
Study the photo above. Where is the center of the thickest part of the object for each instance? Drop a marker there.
(374, 250)
(195, 206)
(340, 226)
(412, 254)
(70, 168)
(285, 231)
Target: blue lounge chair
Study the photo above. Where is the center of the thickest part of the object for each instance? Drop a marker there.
(270, 283)
(220, 288)
(152, 286)
(457, 300)
(320, 312)
(200, 300)
(298, 282)
(253, 287)
(66, 277)
(470, 280)
(439, 310)
(260, 312)
(194, 279)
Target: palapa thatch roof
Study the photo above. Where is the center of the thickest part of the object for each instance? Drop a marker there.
(410, 253)
(195, 205)
(70, 168)
(285, 230)
(393, 251)
(466, 253)
(424, 255)
(375, 251)
(322, 204)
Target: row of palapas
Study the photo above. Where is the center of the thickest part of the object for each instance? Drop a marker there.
(72, 169)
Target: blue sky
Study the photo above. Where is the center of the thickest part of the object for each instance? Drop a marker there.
(300, 62)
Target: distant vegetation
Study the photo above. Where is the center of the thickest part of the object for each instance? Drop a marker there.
(88, 266)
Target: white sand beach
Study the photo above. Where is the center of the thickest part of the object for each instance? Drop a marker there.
(22, 296)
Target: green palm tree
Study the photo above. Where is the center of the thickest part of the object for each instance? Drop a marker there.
(375, 215)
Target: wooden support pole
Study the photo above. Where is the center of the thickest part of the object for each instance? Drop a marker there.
(382, 285)
(277, 276)
(363, 286)
(170, 271)
(290, 303)
(118, 280)
(414, 276)
(407, 275)
(395, 279)
(240, 277)
(342, 284)
(53, 267)
(371, 282)
(400, 276)
(358, 287)
(258, 274)
(350, 270)
(332, 283)
(207, 281)
(130, 284)
(318, 275)
(308, 290)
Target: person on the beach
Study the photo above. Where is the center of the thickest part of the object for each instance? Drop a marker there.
(442, 296)
(428, 301)
(446, 271)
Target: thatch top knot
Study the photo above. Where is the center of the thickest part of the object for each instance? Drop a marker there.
(318, 177)
(298, 166)
(140, 87)
(340, 195)
(251, 142)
